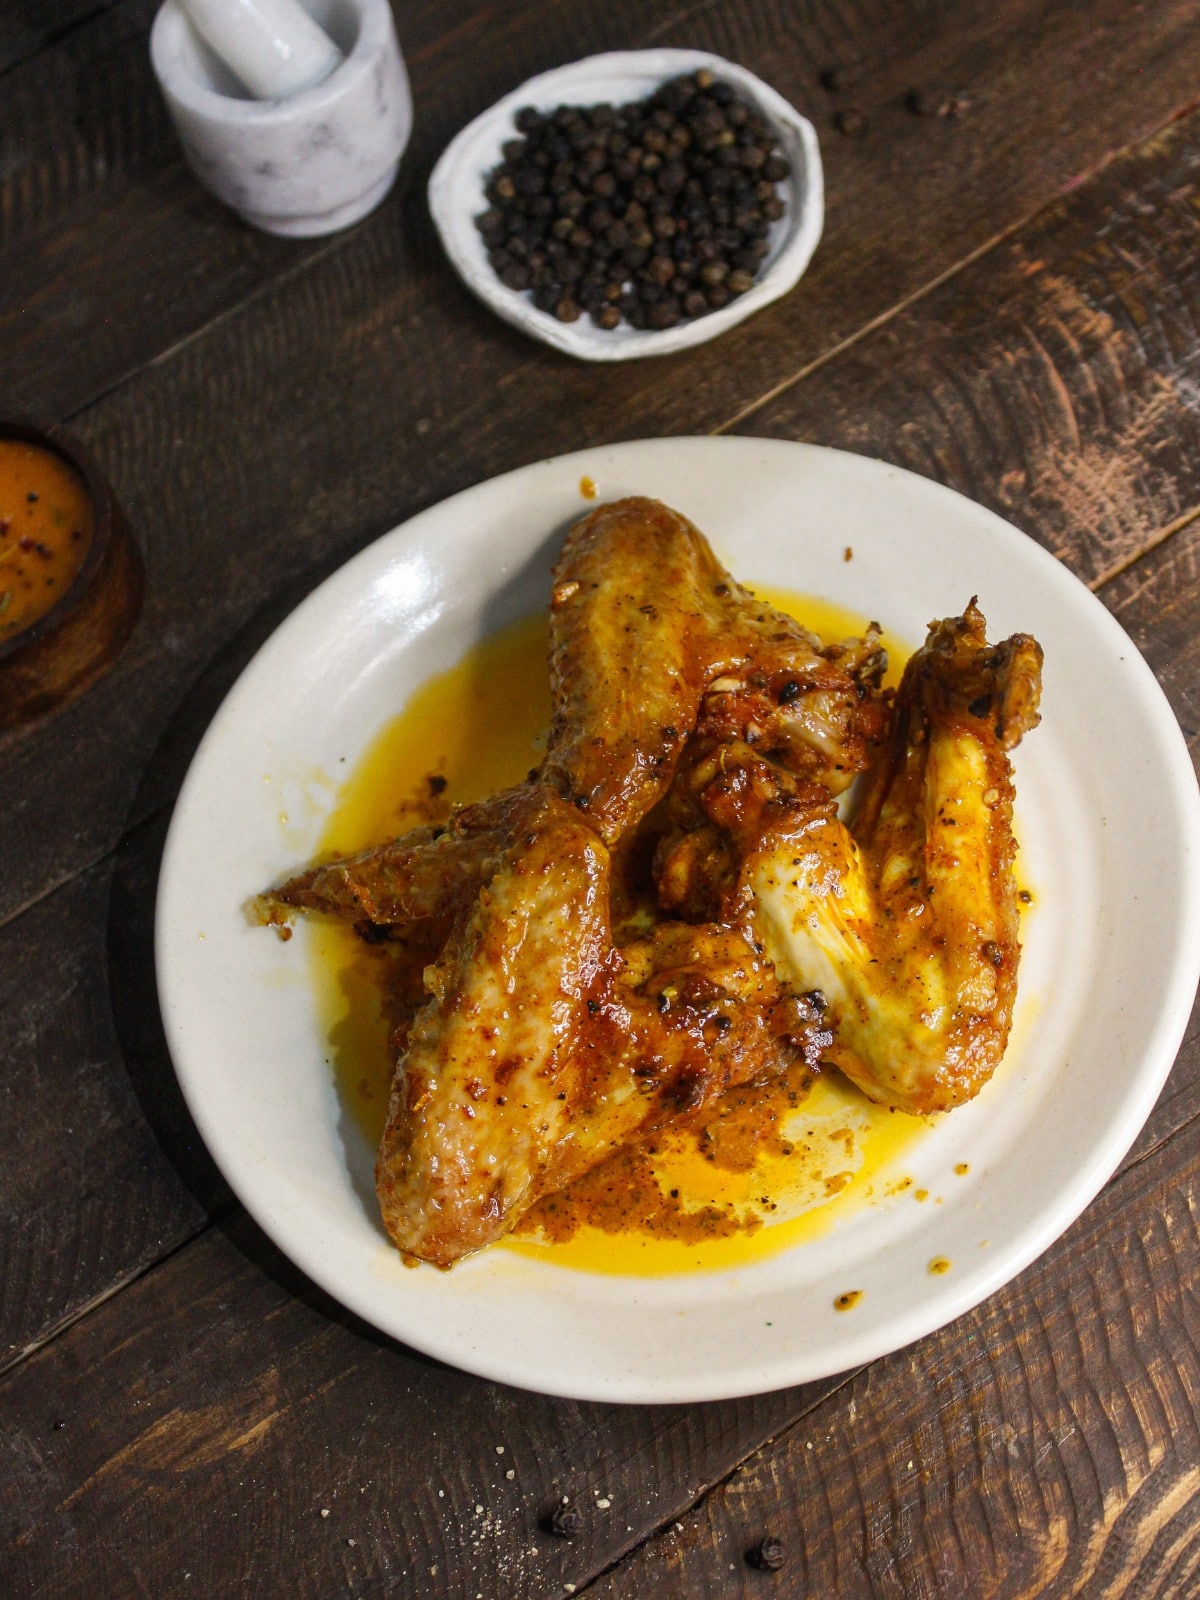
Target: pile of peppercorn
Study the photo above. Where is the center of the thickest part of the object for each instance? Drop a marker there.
(654, 212)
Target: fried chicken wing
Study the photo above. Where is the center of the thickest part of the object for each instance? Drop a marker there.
(543, 1046)
(645, 623)
(646, 628)
(477, 1105)
(430, 871)
(907, 923)
(635, 596)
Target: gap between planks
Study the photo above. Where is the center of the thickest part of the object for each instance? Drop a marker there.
(221, 1213)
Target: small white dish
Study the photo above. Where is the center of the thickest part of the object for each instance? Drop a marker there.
(456, 198)
(1109, 828)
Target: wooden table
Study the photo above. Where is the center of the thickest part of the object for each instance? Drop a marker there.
(1007, 299)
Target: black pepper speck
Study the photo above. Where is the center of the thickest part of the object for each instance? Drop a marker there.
(768, 1555)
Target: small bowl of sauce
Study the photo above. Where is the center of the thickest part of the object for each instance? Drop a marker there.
(70, 573)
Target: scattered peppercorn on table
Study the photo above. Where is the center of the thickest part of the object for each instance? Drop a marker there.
(1005, 299)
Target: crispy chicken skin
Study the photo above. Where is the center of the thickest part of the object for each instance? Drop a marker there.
(644, 622)
(646, 628)
(476, 1113)
(906, 924)
(698, 738)
(428, 872)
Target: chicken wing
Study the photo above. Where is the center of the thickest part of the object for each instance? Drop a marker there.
(431, 871)
(906, 924)
(699, 729)
(477, 1105)
(542, 1045)
(646, 627)
(644, 623)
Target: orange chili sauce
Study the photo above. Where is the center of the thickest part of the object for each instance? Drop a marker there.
(45, 532)
(763, 1168)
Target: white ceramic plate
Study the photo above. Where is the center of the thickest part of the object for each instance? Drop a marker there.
(1109, 826)
(456, 197)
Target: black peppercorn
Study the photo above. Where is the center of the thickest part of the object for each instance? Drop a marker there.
(651, 212)
(515, 276)
(768, 1555)
(564, 1522)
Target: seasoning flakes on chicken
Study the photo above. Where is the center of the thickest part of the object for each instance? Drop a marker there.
(906, 923)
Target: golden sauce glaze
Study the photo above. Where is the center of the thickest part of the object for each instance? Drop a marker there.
(763, 1169)
(45, 532)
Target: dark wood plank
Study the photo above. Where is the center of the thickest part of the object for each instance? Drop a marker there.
(360, 389)
(89, 166)
(1053, 380)
(220, 1428)
(1044, 1445)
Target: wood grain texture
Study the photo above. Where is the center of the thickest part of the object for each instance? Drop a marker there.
(1044, 1445)
(1056, 379)
(366, 385)
(89, 164)
(103, 1172)
(88, 160)
(220, 1423)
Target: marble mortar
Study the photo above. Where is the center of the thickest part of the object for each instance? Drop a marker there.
(307, 165)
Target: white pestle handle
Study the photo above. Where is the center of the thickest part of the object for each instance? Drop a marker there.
(273, 47)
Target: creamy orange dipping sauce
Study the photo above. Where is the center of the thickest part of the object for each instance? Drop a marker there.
(764, 1168)
(46, 529)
